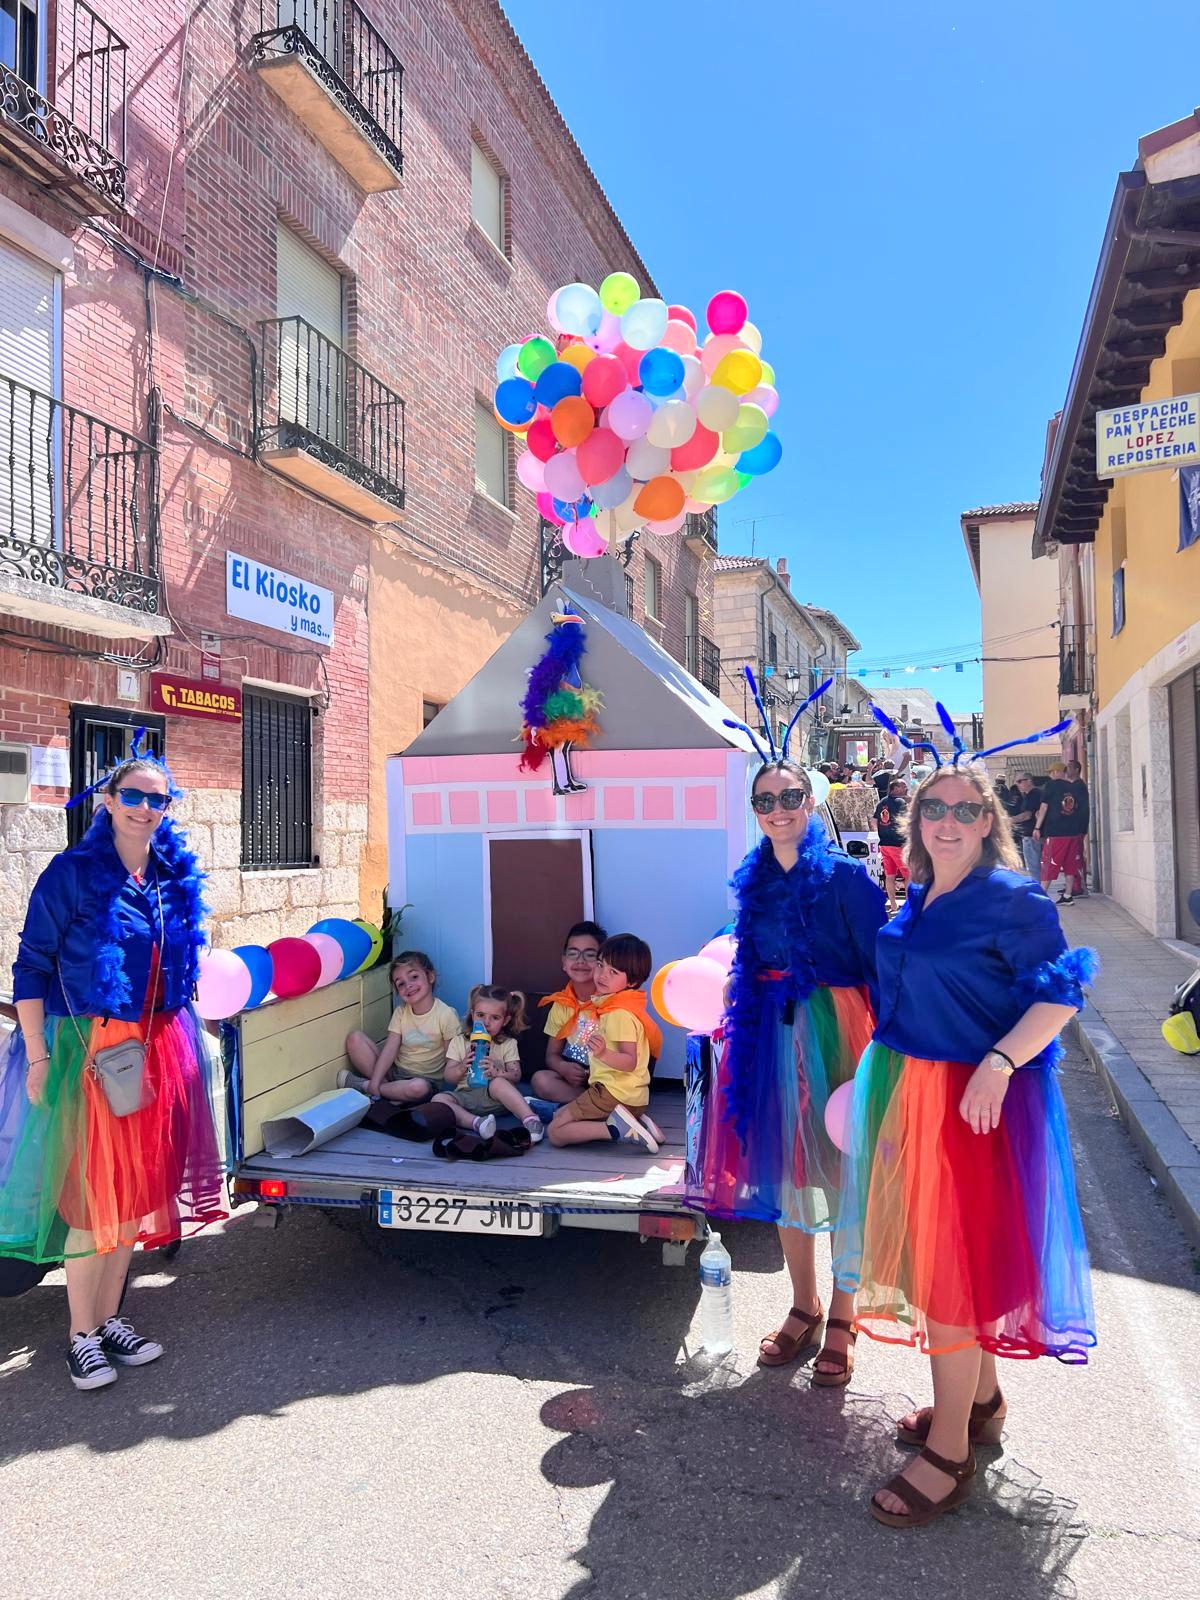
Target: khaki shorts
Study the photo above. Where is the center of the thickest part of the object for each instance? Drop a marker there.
(595, 1104)
(479, 1100)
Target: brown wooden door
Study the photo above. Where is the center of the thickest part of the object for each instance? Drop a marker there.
(538, 887)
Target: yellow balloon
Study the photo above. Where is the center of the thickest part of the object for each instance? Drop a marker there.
(376, 938)
(739, 371)
(577, 356)
(656, 994)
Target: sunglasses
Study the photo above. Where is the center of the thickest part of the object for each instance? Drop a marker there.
(132, 798)
(587, 957)
(965, 811)
(790, 800)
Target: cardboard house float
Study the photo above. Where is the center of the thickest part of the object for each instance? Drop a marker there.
(497, 866)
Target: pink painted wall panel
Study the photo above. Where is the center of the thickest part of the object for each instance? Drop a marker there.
(700, 805)
(658, 803)
(427, 810)
(502, 806)
(464, 806)
(618, 803)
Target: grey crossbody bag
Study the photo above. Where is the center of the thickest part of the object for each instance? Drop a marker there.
(120, 1069)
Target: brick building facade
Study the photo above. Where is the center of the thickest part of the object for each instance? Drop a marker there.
(256, 317)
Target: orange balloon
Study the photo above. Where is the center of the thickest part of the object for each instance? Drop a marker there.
(572, 420)
(656, 994)
(577, 356)
(519, 428)
(660, 499)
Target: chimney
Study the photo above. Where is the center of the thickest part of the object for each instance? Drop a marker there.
(785, 576)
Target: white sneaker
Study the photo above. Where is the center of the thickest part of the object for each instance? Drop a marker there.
(630, 1131)
(347, 1078)
(89, 1367)
(535, 1128)
(652, 1128)
(484, 1127)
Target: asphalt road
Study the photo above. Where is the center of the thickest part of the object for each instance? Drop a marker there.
(463, 1419)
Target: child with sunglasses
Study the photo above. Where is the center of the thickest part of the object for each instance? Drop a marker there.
(959, 1226)
(800, 1015)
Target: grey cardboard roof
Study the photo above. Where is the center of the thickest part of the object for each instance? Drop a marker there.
(650, 701)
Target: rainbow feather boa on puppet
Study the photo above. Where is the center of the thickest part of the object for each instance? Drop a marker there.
(559, 708)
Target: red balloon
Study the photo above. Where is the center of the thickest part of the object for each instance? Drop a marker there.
(682, 314)
(295, 967)
(540, 439)
(603, 380)
(601, 454)
(697, 452)
(631, 360)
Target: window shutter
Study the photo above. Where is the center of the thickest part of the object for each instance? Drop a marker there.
(27, 425)
(487, 197)
(311, 377)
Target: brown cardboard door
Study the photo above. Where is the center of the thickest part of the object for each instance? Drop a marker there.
(538, 888)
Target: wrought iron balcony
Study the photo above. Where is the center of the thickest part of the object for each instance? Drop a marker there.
(73, 134)
(325, 60)
(1075, 665)
(328, 423)
(700, 532)
(710, 666)
(78, 519)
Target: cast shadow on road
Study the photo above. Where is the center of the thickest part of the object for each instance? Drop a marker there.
(720, 1482)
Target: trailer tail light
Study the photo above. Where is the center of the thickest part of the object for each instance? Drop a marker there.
(272, 1189)
(654, 1226)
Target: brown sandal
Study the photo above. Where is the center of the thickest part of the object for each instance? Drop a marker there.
(921, 1509)
(985, 1427)
(790, 1345)
(840, 1377)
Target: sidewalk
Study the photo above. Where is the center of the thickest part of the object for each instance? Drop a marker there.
(1156, 1089)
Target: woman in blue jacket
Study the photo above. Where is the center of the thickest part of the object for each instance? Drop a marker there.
(103, 1147)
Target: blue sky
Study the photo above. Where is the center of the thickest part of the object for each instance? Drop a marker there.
(912, 201)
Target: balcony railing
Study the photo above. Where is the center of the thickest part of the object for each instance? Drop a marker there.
(80, 130)
(700, 532)
(1075, 663)
(357, 70)
(710, 666)
(77, 503)
(328, 422)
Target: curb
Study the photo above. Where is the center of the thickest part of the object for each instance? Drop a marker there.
(1162, 1144)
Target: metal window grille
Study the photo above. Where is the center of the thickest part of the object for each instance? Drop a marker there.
(277, 828)
(99, 740)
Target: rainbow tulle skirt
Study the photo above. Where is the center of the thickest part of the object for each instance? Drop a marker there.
(76, 1180)
(951, 1238)
(787, 1170)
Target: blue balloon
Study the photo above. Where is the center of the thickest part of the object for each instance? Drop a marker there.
(258, 961)
(506, 362)
(661, 372)
(356, 945)
(556, 382)
(515, 402)
(608, 496)
(574, 510)
(762, 458)
(577, 309)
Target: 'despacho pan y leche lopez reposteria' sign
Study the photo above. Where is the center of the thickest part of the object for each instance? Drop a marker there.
(260, 593)
(1155, 433)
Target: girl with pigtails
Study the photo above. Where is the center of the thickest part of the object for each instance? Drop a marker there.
(959, 1227)
(800, 1014)
(107, 1137)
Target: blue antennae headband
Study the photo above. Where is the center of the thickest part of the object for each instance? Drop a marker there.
(884, 721)
(136, 753)
(961, 753)
(780, 752)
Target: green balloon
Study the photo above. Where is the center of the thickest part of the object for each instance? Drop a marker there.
(535, 356)
(618, 292)
(716, 485)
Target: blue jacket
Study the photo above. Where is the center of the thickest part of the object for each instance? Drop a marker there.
(91, 927)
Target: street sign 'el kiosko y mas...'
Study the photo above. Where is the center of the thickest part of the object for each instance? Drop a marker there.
(1156, 433)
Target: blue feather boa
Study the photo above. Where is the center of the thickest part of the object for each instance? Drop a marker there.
(1061, 982)
(184, 911)
(760, 889)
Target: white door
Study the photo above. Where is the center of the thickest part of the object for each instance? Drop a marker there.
(312, 377)
(28, 430)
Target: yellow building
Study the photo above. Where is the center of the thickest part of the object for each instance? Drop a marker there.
(1128, 558)
(1018, 603)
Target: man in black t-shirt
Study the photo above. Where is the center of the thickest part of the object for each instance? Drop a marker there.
(1062, 822)
(889, 814)
(1024, 817)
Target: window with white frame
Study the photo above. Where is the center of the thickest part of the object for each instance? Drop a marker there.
(653, 589)
(487, 196)
(491, 456)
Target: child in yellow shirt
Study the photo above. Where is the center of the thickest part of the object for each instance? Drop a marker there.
(566, 1069)
(613, 1106)
(410, 1064)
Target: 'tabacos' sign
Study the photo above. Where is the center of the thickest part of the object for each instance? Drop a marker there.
(1158, 433)
(263, 594)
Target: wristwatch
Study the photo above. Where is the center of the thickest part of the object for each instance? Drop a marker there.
(999, 1062)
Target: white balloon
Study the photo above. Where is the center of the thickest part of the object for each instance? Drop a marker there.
(750, 335)
(645, 461)
(644, 324)
(717, 408)
(694, 377)
(672, 425)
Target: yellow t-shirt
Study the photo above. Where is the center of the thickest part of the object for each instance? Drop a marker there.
(559, 1014)
(503, 1050)
(423, 1040)
(630, 1088)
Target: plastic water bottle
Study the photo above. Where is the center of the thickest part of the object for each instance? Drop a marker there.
(716, 1297)
(481, 1039)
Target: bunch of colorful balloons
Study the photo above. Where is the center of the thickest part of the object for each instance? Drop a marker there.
(629, 419)
(691, 993)
(237, 980)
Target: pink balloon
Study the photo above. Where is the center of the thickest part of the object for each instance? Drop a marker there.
(563, 477)
(224, 985)
(671, 526)
(582, 539)
(631, 360)
(600, 455)
(764, 396)
(607, 336)
(714, 350)
(694, 993)
(837, 1115)
(680, 338)
(603, 380)
(721, 950)
(682, 314)
(531, 471)
(551, 317)
(727, 312)
(331, 954)
(545, 505)
(629, 415)
(696, 506)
